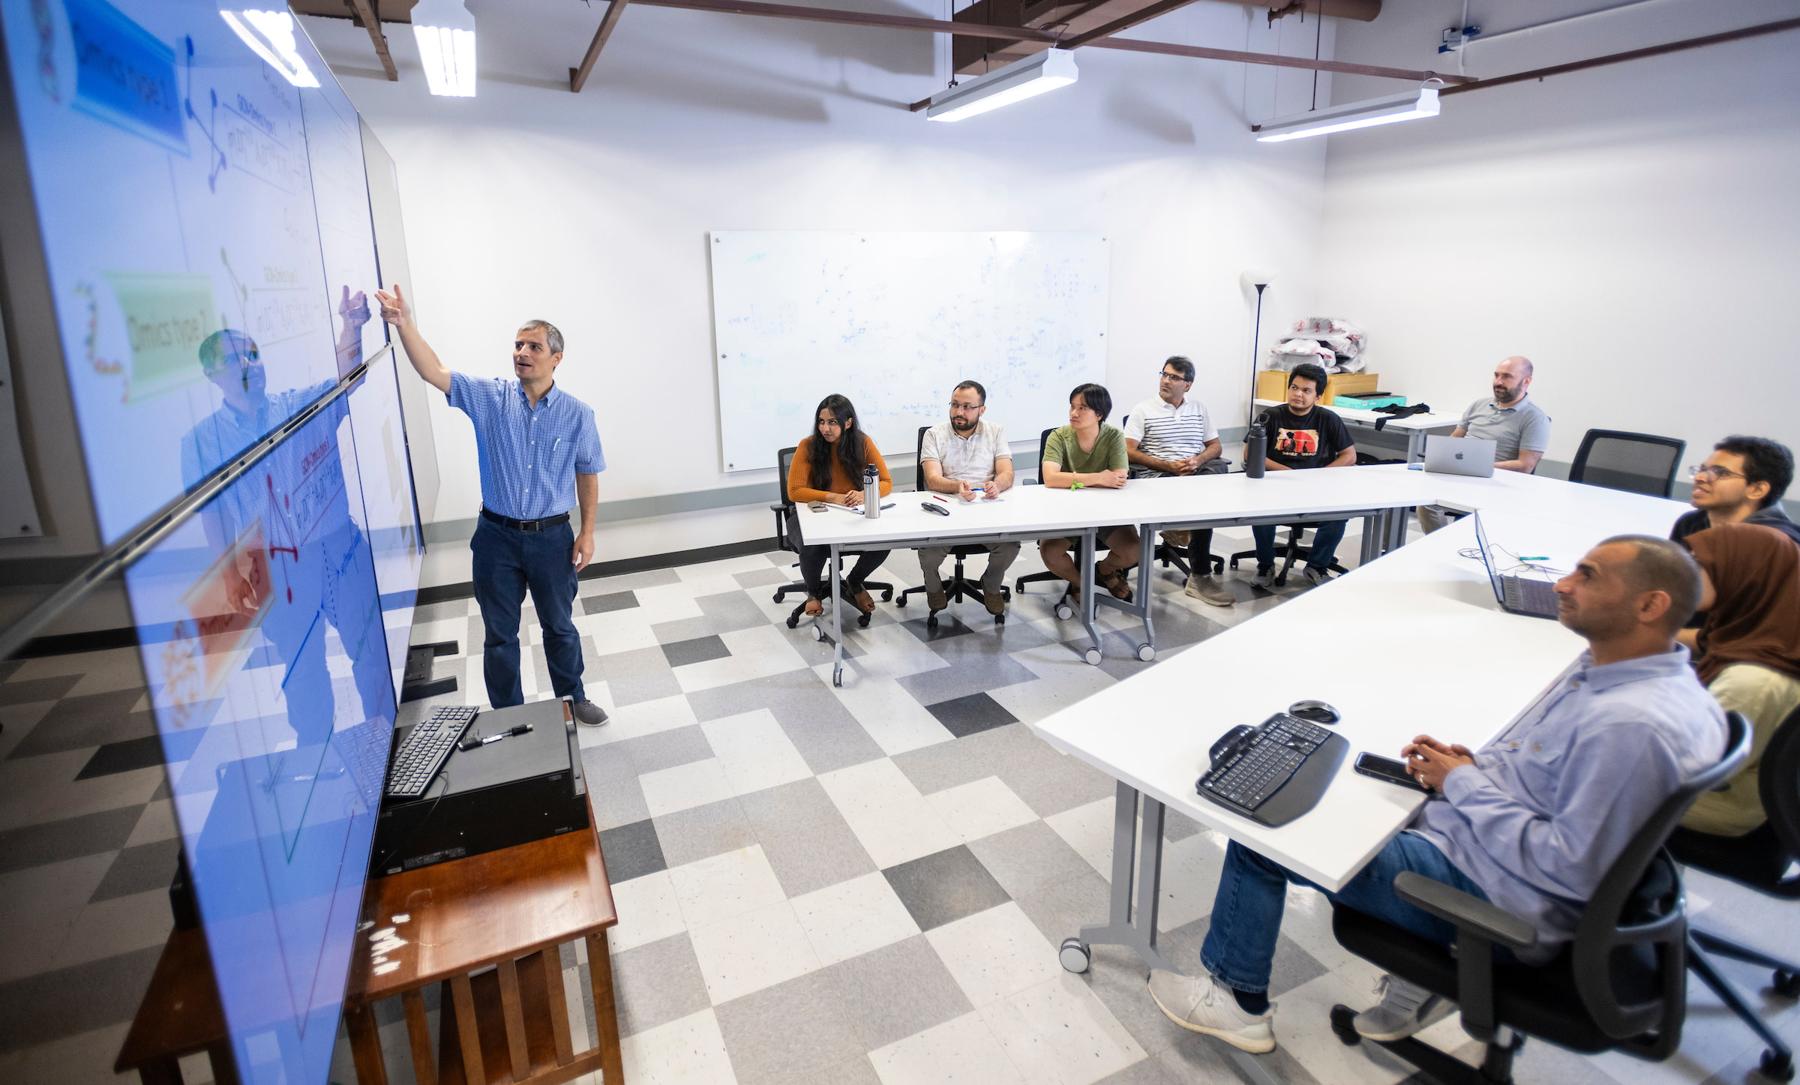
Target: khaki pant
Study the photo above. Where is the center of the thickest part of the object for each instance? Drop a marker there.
(1000, 558)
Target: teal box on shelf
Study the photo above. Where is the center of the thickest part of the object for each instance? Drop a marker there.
(1369, 401)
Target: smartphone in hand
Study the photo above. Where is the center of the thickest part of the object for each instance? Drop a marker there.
(1389, 770)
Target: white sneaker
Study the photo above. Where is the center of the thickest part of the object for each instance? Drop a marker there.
(1203, 1004)
(1264, 578)
(1315, 576)
(1405, 1008)
(1207, 589)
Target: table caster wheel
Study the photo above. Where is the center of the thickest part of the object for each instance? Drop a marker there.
(1343, 1025)
(1092, 656)
(1075, 956)
(818, 632)
(1787, 984)
(1146, 652)
(1064, 612)
(1777, 1066)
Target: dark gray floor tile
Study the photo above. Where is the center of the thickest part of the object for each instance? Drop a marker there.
(895, 991)
(970, 715)
(37, 689)
(793, 1028)
(608, 602)
(54, 841)
(139, 753)
(973, 672)
(631, 851)
(944, 886)
(52, 1005)
(641, 674)
(93, 720)
(804, 837)
(949, 625)
(657, 983)
(138, 869)
(697, 650)
(704, 831)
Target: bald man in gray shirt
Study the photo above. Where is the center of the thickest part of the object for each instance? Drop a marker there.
(1511, 419)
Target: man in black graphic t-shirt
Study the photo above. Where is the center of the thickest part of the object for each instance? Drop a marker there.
(1303, 436)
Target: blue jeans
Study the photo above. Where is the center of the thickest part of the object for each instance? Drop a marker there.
(1326, 537)
(507, 562)
(1246, 917)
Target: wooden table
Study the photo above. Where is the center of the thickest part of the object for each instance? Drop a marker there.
(488, 927)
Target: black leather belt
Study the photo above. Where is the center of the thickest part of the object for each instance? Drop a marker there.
(525, 525)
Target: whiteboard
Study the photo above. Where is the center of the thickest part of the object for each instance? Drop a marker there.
(894, 321)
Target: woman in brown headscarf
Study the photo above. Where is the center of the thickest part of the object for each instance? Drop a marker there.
(1748, 654)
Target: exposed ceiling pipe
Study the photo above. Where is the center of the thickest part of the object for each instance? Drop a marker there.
(1548, 23)
(1363, 11)
(1620, 58)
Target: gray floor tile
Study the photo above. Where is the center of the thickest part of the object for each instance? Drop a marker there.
(704, 831)
(632, 850)
(37, 689)
(817, 723)
(607, 602)
(949, 625)
(970, 714)
(647, 578)
(697, 650)
(720, 613)
(793, 1028)
(141, 868)
(1145, 1071)
(664, 749)
(758, 578)
(52, 842)
(944, 886)
(1030, 857)
(804, 837)
(657, 983)
(1047, 781)
(612, 784)
(138, 753)
(642, 674)
(974, 672)
(895, 991)
(52, 1005)
(93, 720)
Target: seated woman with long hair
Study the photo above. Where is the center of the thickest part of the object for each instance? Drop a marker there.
(828, 466)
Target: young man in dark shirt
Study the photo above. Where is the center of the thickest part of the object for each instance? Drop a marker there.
(1303, 435)
(1741, 483)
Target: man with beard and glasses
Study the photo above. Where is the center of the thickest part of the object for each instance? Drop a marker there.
(968, 457)
(1511, 419)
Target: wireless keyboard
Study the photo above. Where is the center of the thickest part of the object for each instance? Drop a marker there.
(425, 749)
(1275, 771)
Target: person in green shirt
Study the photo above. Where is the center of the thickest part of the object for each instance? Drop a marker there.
(1087, 452)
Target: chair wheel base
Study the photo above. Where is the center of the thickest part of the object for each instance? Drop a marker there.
(793, 622)
(862, 620)
(1787, 984)
(1343, 1026)
(1777, 1066)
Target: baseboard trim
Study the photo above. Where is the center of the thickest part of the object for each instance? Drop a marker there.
(444, 593)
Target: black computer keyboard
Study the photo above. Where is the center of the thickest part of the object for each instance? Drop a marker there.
(1530, 595)
(424, 750)
(1275, 771)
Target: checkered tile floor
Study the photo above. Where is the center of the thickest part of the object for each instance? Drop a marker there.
(814, 884)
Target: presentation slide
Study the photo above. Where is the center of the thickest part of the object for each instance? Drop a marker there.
(263, 647)
(181, 181)
(391, 514)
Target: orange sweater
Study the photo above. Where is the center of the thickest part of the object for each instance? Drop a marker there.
(800, 475)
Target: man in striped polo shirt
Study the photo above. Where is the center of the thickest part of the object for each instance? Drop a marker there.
(539, 454)
(1171, 434)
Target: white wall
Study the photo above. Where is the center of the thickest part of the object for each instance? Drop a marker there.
(1633, 229)
(592, 210)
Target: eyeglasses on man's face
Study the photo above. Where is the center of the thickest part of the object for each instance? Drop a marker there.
(1713, 471)
(1173, 377)
(967, 407)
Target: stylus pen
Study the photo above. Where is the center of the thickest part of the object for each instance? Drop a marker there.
(470, 744)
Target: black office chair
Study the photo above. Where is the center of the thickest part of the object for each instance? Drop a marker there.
(783, 541)
(1639, 463)
(1292, 551)
(1620, 984)
(958, 586)
(1063, 612)
(1760, 860)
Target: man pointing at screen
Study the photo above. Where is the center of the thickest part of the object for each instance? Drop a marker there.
(540, 455)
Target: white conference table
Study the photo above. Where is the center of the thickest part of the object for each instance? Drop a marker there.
(1373, 494)
(1415, 426)
(1448, 662)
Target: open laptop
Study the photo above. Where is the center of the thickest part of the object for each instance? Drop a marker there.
(1460, 456)
(1531, 595)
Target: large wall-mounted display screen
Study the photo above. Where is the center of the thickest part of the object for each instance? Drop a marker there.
(391, 519)
(205, 224)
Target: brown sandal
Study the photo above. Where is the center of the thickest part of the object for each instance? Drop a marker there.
(813, 608)
(1116, 583)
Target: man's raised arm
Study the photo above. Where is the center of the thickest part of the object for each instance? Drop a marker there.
(395, 311)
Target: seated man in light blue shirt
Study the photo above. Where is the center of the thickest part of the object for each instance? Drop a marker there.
(1529, 823)
(539, 455)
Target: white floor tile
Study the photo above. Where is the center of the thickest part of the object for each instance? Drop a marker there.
(853, 917)
(757, 652)
(752, 951)
(995, 953)
(640, 719)
(892, 717)
(723, 886)
(666, 603)
(686, 1051)
(980, 808)
(961, 1051)
(1059, 1031)
(685, 786)
(755, 752)
(891, 820)
(1088, 829)
(611, 634)
(648, 910)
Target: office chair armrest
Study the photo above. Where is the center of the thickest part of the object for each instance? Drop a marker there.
(1469, 914)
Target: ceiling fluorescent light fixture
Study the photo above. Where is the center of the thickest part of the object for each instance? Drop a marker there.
(1410, 106)
(1015, 82)
(270, 35)
(446, 34)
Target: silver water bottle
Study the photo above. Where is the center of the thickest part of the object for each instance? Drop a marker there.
(871, 492)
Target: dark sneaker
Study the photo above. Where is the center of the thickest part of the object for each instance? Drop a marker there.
(589, 713)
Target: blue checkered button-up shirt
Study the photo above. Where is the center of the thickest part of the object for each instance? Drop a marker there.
(529, 456)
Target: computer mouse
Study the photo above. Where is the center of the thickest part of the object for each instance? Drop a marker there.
(1313, 712)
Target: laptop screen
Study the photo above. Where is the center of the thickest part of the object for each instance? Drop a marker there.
(1487, 559)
